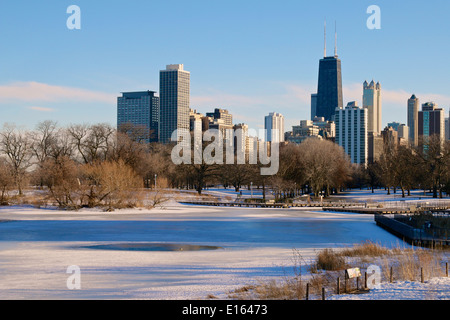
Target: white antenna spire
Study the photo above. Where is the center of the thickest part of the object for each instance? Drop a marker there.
(325, 39)
(335, 39)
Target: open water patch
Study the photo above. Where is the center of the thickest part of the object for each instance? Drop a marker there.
(150, 247)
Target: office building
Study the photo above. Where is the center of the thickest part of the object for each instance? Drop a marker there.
(447, 127)
(390, 137)
(138, 113)
(313, 105)
(431, 122)
(372, 101)
(274, 127)
(403, 134)
(327, 129)
(351, 132)
(221, 125)
(318, 128)
(413, 120)
(221, 114)
(195, 121)
(329, 89)
(394, 125)
(174, 84)
(376, 146)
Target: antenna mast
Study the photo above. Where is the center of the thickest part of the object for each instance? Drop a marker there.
(325, 39)
(335, 39)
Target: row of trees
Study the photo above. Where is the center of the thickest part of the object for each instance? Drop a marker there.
(97, 165)
(78, 165)
(405, 167)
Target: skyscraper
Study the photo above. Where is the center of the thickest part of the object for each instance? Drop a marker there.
(140, 111)
(372, 101)
(174, 87)
(313, 106)
(329, 89)
(413, 120)
(274, 126)
(431, 121)
(351, 132)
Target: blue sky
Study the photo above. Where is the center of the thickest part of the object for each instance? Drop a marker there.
(250, 57)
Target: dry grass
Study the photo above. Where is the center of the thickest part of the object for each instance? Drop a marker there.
(407, 264)
(365, 249)
(330, 260)
(330, 264)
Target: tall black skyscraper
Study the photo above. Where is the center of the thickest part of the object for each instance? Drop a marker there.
(329, 89)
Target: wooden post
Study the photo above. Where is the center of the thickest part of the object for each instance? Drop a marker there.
(390, 275)
(357, 283)
(345, 284)
(446, 269)
(307, 291)
(323, 293)
(421, 274)
(338, 291)
(365, 280)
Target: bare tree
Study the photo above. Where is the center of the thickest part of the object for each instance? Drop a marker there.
(92, 142)
(16, 145)
(61, 176)
(78, 134)
(326, 165)
(434, 156)
(43, 140)
(111, 184)
(6, 181)
(62, 145)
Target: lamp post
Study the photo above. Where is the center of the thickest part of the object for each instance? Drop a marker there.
(251, 189)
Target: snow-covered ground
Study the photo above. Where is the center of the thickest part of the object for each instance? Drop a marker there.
(38, 245)
(433, 289)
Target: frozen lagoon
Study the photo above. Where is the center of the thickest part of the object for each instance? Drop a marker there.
(37, 246)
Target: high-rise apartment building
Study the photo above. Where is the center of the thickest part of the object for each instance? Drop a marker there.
(274, 126)
(431, 121)
(351, 132)
(372, 101)
(447, 127)
(223, 115)
(403, 132)
(195, 121)
(139, 112)
(413, 120)
(174, 88)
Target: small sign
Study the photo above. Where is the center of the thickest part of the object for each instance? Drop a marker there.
(353, 273)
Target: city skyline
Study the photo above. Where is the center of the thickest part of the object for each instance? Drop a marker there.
(249, 67)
